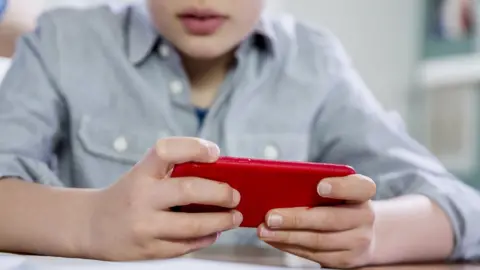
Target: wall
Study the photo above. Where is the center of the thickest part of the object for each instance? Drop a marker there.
(381, 36)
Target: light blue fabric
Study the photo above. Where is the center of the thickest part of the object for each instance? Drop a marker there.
(92, 90)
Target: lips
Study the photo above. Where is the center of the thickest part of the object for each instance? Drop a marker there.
(201, 22)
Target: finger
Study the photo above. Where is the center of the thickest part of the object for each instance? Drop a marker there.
(333, 259)
(321, 218)
(190, 190)
(354, 188)
(173, 249)
(332, 241)
(176, 150)
(183, 226)
(192, 245)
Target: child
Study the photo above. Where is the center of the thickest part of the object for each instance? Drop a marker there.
(90, 91)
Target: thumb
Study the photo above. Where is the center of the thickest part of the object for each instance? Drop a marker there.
(168, 152)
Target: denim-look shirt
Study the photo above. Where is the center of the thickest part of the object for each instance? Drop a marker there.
(91, 90)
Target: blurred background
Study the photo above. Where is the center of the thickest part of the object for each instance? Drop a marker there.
(421, 59)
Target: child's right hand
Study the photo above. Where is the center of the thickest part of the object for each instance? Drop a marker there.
(132, 220)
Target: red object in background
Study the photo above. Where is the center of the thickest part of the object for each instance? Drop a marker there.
(264, 184)
(467, 11)
(456, 18)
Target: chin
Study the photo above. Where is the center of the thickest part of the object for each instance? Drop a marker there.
(204, 50)
(206, 53)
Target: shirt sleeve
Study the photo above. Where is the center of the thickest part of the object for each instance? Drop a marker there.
(352, 128)
(31, 110)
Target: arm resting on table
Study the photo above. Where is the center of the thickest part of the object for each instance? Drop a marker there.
(37, 219)
(411, 229)
(424, 212)
(42, 218)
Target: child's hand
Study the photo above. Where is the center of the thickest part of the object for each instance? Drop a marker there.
(132, 220)
(335, 237)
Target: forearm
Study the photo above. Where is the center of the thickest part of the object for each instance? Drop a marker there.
(42, 220)
(411, 229)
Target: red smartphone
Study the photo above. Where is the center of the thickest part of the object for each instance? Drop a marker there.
(264, 184)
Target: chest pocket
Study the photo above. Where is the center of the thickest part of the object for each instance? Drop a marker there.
(275, 146)
(115, 141)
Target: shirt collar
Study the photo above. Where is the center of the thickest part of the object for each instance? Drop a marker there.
(143, 38)
(264, 34)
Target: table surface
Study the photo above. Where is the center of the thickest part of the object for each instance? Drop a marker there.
(270, 257)
(213, 258)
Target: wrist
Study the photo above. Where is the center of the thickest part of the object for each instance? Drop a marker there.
(378, 253)
(81, 240)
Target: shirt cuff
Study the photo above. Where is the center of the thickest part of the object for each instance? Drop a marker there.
(458, 201)
(29, 170)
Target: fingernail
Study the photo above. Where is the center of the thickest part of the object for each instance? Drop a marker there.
(213, 149)
(275, 221)
(218, 235)
(237, 218)
(236, 197)
(266, 233)
(324, 188)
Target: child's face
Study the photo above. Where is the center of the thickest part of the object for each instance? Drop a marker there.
(205, 29)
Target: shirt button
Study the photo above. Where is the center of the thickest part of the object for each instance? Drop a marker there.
(120, 144)
(271, 152)
(176, 87)
(164, 50)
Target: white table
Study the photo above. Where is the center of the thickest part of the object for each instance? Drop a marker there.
(17, 262)
(235, 258)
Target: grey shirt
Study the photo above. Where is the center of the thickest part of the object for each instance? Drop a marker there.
(89, 91)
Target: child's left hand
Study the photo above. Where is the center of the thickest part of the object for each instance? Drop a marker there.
(336, 237)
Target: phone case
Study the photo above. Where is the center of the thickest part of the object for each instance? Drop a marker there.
(264, 184)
